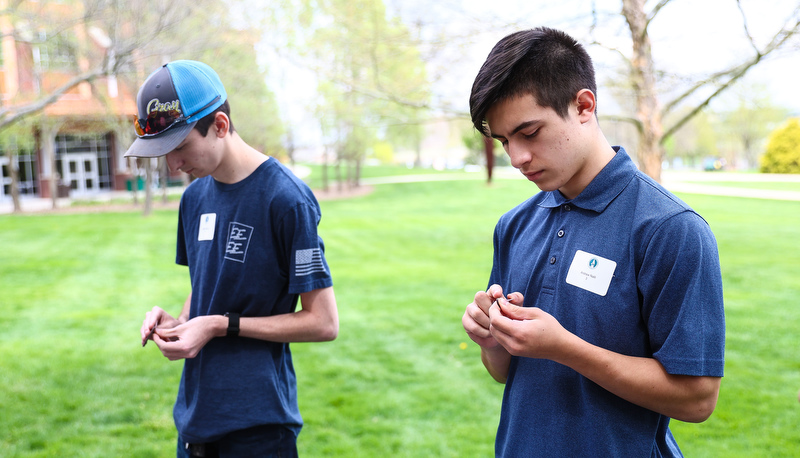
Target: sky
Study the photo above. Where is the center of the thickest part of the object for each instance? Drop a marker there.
(690, 38)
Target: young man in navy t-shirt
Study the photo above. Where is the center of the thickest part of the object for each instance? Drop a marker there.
(247, 230)
(604, 313)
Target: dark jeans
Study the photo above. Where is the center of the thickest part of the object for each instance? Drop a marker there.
(268, 441)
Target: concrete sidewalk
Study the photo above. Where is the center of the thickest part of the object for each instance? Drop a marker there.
(38, 204)
(695, 182)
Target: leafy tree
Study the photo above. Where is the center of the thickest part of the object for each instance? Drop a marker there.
(783, 150)
(483, 151)
(695, 140)
(750, 122)
(372, 82)
(254, 109)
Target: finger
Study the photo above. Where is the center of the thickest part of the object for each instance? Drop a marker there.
(495, 291)
(149, 335)
(516, 298)
(502, 326)
(483, 301)
(476, 321)
(516, 312)
(167, 348)
(147, 326)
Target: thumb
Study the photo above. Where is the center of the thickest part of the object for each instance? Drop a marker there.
(167, 333)
(511, 310)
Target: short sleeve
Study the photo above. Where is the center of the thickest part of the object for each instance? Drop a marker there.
(304, 250)
(682, 305)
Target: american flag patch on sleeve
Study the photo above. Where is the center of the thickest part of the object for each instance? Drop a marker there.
(308, 262)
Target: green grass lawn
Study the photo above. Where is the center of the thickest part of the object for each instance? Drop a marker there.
(406, 259)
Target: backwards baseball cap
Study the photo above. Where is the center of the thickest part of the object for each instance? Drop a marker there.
(170, 102)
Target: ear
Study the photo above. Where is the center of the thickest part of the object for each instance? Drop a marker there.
(586, 105)
(221, 124)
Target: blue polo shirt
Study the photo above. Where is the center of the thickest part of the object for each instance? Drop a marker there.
(626, 266)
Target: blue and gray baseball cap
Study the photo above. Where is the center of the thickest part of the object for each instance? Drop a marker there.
(170, 102)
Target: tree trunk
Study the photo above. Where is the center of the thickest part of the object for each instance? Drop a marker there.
(325, 170)
(488, 149)
(338, 172)
(643, 78)
(164, 178)
(148, 187)
(48, 136)
(357, 177)
(133, 165)
(13, 169)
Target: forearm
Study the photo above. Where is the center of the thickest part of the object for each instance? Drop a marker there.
(186, 310)
(643, 381)
(301, 326)
(496, 361)
(317, 321)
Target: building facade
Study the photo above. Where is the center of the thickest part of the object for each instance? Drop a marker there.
(74, 146)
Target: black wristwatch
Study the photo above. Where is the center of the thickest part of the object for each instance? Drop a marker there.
(233, 324)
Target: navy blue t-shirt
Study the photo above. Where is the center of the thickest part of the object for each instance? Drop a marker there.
(628, 267)
(252, 247)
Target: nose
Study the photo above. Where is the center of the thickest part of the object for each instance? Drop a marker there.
(174, 162)
(518, 154)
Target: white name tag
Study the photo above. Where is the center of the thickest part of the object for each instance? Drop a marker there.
(208, 223)
(591, 272)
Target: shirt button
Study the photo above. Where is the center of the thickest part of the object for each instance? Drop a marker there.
(553, 260)
(561, 233)
(567, 208)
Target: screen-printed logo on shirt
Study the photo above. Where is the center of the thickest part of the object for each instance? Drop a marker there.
(307, 262)
(238, 241)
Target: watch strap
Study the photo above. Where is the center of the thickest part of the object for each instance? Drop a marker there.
(233, 324)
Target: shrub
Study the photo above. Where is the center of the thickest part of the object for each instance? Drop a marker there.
(783, 150)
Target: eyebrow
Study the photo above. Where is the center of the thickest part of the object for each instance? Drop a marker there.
(519, 127)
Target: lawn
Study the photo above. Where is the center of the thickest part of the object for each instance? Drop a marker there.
(399, 380)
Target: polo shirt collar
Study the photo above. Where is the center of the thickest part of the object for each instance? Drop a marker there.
(607, 185)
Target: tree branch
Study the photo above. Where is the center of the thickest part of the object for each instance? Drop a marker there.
(655, 11)
(626, 119)
(13, 114)
(732, 74)
(746, 27)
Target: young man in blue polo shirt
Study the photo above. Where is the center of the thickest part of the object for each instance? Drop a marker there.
(247, 230)
(604, 314)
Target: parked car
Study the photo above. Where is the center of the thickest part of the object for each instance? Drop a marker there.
(713, 164)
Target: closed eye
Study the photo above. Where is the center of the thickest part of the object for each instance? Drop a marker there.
(531, 135)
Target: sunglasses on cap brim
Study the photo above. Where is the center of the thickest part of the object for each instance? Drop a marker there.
(158, 122)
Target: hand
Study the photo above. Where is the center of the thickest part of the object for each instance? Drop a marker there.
(476, 317)
(156, 318)
(527, 331)
(187, 339)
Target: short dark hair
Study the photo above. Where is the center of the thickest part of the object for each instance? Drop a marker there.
(204, 123)
(543, 62)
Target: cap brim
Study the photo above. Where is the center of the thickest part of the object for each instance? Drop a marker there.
(161, 144)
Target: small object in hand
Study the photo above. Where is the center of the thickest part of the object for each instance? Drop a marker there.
(150, 336)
